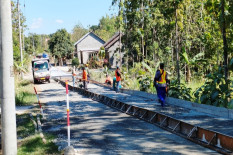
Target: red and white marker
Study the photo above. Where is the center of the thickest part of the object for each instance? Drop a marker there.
(41, 110)
(68, 113)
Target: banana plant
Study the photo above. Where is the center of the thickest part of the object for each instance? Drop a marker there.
(18, 66)
(191, 62)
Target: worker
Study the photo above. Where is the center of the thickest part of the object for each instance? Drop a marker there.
(84, 78)
(118, 78)
(108, 80)
(161, 82)
(88, 72)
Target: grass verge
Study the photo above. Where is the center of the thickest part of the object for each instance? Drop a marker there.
(30, 142)
(24, 93)
(34, 145)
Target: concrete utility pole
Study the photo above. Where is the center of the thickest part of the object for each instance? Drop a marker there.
(20, 40)
(7, 87)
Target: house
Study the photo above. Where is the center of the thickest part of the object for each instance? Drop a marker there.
(87, 47)
(112, 53)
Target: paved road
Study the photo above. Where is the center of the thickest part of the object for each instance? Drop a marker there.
(98, 129)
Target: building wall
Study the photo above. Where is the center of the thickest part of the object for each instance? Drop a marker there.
(88, 43)
(113, 59)
(85, 57)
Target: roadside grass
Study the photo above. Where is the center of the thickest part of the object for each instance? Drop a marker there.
(30, 142)
(25, 126)
(24, 93)
(34, 145)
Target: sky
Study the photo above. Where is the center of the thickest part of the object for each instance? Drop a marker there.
(47, 16)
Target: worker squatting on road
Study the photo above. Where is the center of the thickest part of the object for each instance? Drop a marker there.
(108, 80)
(84, 78)
(161, 83)
(118, 78)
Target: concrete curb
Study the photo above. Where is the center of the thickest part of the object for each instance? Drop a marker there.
(69, 150)
(217, 111)
(208, 109)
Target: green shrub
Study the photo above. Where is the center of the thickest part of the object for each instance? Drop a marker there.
(144, 83)
(180, 91)
(215, 91)
(75, 62)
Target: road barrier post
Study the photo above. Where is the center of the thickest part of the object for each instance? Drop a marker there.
(41, 110)
(68, 113)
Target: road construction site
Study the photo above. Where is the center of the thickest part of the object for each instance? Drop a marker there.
(133, 122)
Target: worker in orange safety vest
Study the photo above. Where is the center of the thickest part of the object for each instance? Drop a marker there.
(161, 82)
(84, 78)
(118, 78)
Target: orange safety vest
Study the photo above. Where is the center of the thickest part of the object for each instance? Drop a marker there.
(118, 78)
(163, 77)
(84, 75)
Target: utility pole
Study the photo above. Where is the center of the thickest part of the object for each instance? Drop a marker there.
(7, 87)
(20, 41)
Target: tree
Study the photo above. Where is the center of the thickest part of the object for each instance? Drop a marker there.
(107, 27)
(60, 45)
(77, 32)
(222, 11)
(35, 44)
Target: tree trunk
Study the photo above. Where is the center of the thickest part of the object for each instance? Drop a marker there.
(177, 52)
(225, 48)
(142, 49)
(188, 78)
(142, 38)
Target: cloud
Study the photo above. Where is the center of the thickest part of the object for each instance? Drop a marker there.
(59, 21)
(37, 23)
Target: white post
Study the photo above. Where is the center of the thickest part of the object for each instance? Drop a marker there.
(7, 87)
(68, 113)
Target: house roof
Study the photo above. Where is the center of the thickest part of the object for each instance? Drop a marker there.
(89, 33)
(112, 40)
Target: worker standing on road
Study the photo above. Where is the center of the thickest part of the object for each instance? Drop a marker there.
(84, 78)
(161, 82)
(88, 72)
(118, 78)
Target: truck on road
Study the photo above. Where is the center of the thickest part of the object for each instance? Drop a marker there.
(41, 70)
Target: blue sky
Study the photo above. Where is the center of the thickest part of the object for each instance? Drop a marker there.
(47, 16)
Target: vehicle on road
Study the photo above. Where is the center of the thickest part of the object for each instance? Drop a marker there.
(41, 70)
